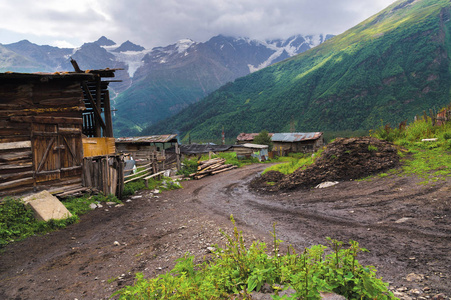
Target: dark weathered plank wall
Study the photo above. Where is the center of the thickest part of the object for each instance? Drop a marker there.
(42, 105)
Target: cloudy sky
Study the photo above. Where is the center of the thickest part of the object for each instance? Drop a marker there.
(153, 23)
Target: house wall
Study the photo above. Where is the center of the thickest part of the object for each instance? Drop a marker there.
(298, 147)
(40, 133)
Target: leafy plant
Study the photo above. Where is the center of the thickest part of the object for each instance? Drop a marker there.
(237, 270)
(18, 222)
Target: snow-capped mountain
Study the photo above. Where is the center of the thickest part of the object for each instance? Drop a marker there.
(161, 81)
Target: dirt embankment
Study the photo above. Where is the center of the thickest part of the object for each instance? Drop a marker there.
(343, 159)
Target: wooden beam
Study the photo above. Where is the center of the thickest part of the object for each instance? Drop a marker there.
(46, 120)
(98, 128)
(15, 145)
(107, 113)
(97, 113)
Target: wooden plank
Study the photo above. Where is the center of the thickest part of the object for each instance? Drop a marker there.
(14, 176)
(15, 145)
(17, 165)
(137, 173)
(14, 156)
(13, 139)
(47, 120)
(154, 175)
(16, 183)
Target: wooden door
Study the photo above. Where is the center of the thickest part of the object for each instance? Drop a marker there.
(57, 151)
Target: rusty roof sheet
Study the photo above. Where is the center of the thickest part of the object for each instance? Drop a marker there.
(248, 136)
(291, 137)
(165, 138)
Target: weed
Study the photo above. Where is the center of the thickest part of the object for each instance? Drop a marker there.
(17, 222)
(372, 148)
(237, 270)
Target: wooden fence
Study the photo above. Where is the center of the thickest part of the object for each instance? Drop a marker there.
(104, 174)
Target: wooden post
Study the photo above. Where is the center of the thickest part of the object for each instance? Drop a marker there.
(177, 155)
(107, 113)
(98, 103)
(120, 176)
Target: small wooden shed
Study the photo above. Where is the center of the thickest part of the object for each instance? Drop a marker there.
(297, 142)
(151, 149)
(41, 124)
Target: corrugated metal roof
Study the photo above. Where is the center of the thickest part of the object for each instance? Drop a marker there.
(248, 136)
(165, 138)
(291, 137)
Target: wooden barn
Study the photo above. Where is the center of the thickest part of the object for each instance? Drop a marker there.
(42, 121)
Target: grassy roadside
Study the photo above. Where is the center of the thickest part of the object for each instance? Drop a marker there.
(17, 222)
(429, 159)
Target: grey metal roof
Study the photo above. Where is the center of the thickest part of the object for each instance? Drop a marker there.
(291, 137)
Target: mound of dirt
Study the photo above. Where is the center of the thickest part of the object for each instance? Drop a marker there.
(343, 159)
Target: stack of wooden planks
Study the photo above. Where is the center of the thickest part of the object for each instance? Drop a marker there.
(211, 167)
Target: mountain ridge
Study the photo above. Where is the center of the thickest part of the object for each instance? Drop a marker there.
(390, 67)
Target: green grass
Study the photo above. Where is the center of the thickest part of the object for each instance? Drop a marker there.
(429, 160)
(17, 222)
(235, 271)
(293, 162)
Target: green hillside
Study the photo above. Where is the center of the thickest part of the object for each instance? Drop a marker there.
(390, 67)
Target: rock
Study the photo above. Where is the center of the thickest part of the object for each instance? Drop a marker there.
(119, 205)
(110, 203)
(326, 184)
(402, 296)
(402, 220)
(92, 206)
(211, 249)
(414, 277)
(116, 243)
(136, 196)
(128, 201)
(439, 297)
(156, 191)
(46, 206)
(415, 292)
(331, 296)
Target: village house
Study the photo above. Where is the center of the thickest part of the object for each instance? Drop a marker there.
(246, 138)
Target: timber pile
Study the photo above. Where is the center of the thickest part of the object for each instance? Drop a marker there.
(211, 167)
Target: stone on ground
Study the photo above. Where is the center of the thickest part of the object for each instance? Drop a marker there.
(46, 206)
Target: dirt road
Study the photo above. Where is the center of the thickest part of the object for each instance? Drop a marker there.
(406, 227)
